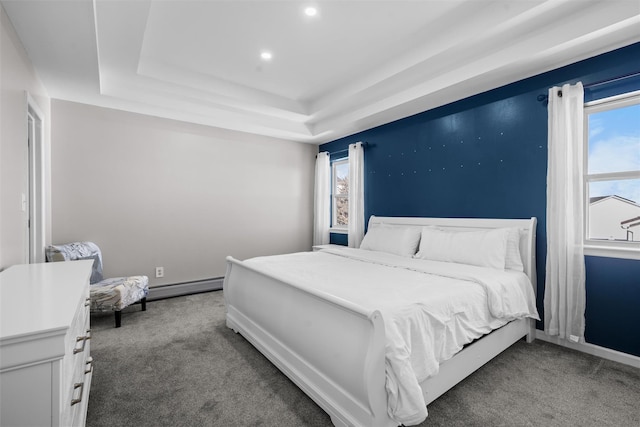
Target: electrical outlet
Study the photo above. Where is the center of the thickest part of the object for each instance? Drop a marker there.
(159, 272)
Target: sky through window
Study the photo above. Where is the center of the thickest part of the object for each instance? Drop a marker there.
(614, 146)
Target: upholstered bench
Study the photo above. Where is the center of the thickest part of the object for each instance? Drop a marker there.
(106, 294)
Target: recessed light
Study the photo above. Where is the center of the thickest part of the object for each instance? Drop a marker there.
(310, 11)
(265, 55)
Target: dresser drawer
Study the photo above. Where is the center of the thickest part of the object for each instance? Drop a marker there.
(79, 409)
(77, 360)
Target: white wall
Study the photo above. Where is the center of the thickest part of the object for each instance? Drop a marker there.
(156, 192)
(17, 77)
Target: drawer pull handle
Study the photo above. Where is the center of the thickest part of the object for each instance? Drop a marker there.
(89, 366)
(75, 387)
(84, 341)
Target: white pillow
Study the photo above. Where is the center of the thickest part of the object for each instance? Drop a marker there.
(401, 241)
(513, 258)
(485, 248)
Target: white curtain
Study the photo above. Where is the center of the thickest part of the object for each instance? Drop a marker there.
(356, 195)
(564, 296)
(322, 199)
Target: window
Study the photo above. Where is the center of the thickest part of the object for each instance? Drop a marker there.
(612, 172)
(340, 194)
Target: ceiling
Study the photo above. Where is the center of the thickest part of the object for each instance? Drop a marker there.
(353, 66)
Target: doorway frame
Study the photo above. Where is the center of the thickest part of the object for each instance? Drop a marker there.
(35, 121)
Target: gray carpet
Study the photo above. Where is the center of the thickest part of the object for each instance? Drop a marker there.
(177, 364)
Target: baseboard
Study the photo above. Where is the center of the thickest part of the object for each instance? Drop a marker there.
(595, 350)
(179, 289)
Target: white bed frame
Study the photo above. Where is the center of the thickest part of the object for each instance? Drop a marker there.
(334, 350)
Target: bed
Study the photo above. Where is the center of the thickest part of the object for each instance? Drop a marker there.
(373, 335)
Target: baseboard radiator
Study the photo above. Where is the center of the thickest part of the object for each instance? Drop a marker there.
(186, 288)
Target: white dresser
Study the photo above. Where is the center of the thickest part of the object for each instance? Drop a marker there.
(45, 362)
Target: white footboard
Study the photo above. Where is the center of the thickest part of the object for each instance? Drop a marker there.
(332, 349)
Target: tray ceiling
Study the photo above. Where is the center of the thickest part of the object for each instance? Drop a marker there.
(353, 66)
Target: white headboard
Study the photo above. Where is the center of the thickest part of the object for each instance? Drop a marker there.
(527, 232)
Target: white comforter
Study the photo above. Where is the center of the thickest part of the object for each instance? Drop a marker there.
(430, 309)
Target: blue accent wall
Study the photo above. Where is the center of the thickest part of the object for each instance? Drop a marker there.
(613, 303)
(486, 156)
(338, 239)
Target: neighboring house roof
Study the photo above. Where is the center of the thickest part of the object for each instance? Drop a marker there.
(631, 222)
(593, 200)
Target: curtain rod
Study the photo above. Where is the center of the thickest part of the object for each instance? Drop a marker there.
(339, 151)
(615, 79)
(545, 97)
(364, 144)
